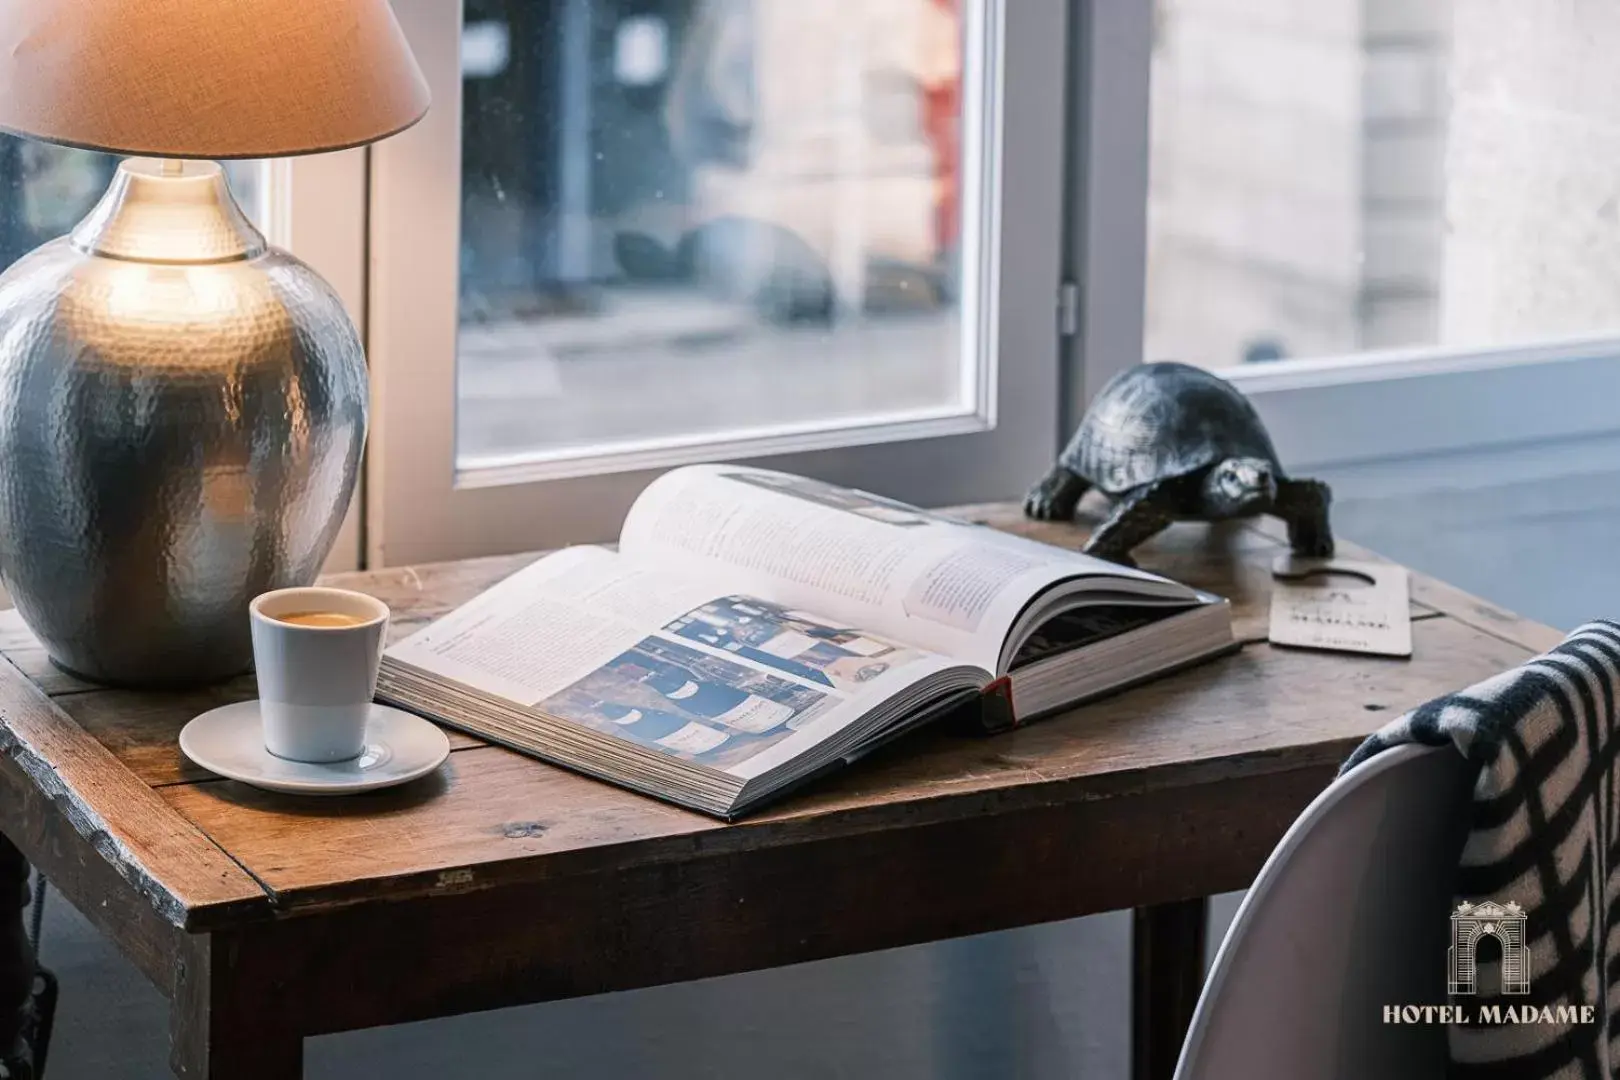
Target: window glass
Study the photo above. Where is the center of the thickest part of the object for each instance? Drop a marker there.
(691, 219)
(1340, 176)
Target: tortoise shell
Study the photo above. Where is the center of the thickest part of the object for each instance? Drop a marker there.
(1160, 421)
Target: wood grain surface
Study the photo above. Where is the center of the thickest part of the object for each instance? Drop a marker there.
(492, 819)
(158, 854)
(719, 911)
(141, 728)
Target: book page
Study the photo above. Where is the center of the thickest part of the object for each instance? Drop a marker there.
(945, 585)
(719, 678)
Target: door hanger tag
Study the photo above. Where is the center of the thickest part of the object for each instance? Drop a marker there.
(1340, 605)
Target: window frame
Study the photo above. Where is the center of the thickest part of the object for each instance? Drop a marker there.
(1437, 416)
(418, 509)
(1442, 416)
(1102, 303)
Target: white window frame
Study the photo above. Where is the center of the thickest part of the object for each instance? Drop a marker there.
(416, 506)
(1376, 423)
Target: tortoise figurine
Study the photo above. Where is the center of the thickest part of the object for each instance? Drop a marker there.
(1172, 442)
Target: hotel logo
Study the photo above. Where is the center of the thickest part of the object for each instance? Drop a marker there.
(1471, 923)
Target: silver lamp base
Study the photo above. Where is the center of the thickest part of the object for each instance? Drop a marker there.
(182, 413)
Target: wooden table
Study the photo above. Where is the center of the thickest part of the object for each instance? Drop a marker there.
(501, 881)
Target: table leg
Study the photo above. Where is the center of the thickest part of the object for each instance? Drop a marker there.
(225, 1018)
(1167, 961)
(231, 1058)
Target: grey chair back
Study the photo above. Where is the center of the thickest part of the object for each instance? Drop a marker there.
(1350, 914)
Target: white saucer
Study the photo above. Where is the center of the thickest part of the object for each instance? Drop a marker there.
(399, 748)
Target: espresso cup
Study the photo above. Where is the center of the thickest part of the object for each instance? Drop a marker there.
(316, 681)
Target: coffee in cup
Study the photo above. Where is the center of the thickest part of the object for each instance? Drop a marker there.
(316, 652)
(329, 619)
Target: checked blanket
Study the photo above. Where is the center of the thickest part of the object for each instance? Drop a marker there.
(1544, 835)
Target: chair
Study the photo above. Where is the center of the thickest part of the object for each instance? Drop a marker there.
(1350, 913)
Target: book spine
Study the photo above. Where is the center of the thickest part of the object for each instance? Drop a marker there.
(996, 712)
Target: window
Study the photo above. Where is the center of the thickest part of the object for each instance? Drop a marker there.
(637, 233)
(897, 243)
(1356, 175)
(1394, 224)
(748, 212)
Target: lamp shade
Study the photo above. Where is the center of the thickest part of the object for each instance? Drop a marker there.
(206, 78)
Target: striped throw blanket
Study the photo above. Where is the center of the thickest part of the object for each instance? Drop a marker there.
(1544, 837)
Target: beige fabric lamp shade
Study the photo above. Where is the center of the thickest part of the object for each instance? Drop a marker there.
(206, 78)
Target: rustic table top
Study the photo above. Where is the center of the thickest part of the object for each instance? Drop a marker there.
(210, 853)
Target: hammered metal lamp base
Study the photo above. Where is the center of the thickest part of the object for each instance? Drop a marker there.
(182, 412)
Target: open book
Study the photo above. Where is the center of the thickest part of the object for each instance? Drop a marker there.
(754, 629)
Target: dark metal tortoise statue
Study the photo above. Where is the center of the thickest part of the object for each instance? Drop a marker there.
(1171, 442)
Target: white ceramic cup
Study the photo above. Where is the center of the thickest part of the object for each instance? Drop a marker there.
(316, 682)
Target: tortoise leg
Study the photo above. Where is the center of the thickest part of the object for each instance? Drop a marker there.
(1303, 504)
(1138, 516)
(1055, 496)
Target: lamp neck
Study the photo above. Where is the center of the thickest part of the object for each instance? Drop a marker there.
(169, 212)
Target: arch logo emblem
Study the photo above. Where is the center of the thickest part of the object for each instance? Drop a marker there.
(1472, 923)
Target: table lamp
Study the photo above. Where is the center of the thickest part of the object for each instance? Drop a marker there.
(182, 406)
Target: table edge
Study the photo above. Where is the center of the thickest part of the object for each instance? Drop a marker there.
(98, 797)
(792, 829)
(90, 789)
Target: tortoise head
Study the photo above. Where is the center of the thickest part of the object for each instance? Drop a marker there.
(1239, 486)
